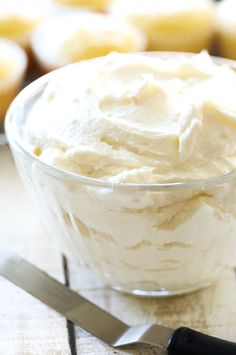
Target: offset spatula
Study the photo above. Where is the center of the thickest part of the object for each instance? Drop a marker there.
(182, 341)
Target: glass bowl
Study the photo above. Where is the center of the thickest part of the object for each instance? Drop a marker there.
(150, 240)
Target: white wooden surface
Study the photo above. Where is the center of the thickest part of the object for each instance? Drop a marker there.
(27, 327)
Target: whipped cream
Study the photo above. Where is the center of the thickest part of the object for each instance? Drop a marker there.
(138, 119)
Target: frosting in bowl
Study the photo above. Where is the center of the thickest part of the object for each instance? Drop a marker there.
(136, 118)
(133, 118)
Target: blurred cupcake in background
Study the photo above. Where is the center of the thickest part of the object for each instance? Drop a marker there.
(72, 36)
(95, 5)
(171, 25)
(226, 28)
(18, 19)
(13, 64)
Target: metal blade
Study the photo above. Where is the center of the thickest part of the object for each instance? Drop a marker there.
(78, 309)
(63, 300)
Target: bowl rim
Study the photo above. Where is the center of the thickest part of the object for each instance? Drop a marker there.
(34, 88)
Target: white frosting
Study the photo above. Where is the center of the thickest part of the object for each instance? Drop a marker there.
(226, 15)
(24, 9)
(13, 56)
(19, 18)
(159, 8)
(134, 118)
(139, 119)
(70, 35)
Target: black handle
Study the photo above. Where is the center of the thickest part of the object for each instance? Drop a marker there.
(185, 341)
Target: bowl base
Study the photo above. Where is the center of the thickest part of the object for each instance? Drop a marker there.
(161, 292)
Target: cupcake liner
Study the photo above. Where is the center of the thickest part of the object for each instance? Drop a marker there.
(226, 45)
(96, 5)
(184, 42)
(18, 29)
(12, 77)
(6, 97)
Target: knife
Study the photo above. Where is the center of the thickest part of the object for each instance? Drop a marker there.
(80, 311)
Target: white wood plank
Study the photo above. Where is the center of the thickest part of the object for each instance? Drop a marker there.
(27, 327)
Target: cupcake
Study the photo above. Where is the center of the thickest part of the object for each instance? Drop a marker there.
(72, 36)
(226, 28)
(13, 63)
(95, 5)
(18, 19)
(170, 25)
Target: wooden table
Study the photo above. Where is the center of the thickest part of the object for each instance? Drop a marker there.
(28, 327)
